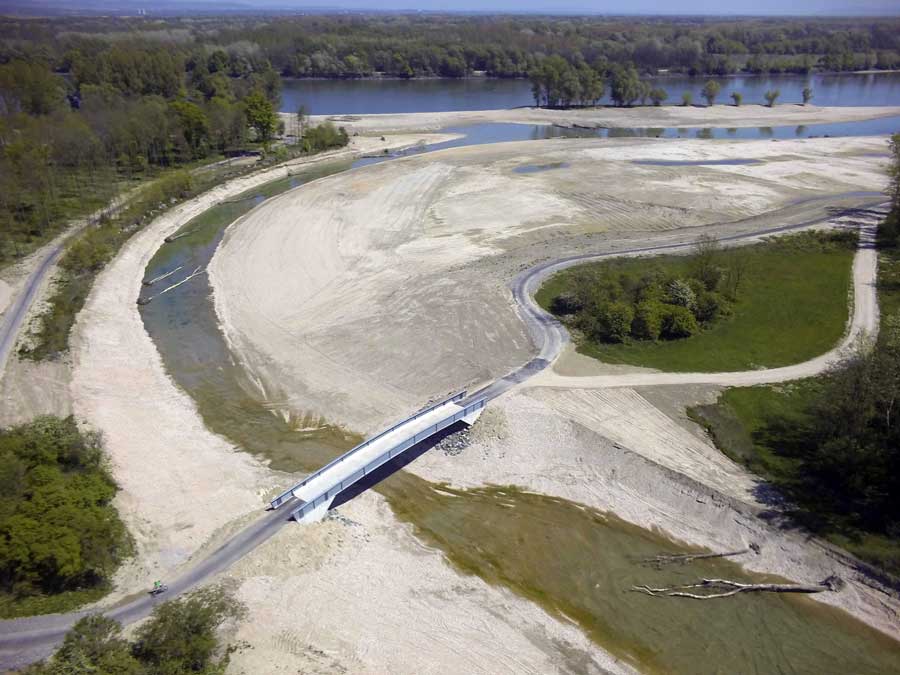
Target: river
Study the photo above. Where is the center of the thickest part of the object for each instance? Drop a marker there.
(333, 97)
(575, 562)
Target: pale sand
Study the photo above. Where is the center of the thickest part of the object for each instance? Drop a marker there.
(179, 483)
(332, 290)
(667, 116)
(185, 489)
(360, 594)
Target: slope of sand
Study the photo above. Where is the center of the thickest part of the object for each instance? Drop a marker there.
(360, 594)
(180, 484)
(638, 117)
(361, 295)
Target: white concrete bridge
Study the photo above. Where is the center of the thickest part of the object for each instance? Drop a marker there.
(318, 490)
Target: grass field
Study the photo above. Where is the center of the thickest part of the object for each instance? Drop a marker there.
(792, 306)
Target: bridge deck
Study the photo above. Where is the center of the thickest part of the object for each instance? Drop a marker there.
(365, 456)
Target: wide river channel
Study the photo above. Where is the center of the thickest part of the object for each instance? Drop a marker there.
(577, 563)
(335, 97)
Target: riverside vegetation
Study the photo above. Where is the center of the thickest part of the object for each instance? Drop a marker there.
(60, 536)
(831, 445)
(125, 124)
(718, 309)
(179, 638)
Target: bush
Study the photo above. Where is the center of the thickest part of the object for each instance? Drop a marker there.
(648, 319)
(709, 306)
(680, 293)
(178, 638)
(566, 303)
(614, 321)
(678, 322)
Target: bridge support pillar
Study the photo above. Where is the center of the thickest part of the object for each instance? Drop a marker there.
(472, 416)
(314, 515)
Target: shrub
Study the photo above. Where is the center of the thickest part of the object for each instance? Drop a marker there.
(678, 322)
(680, 293)
(648, 319)
(614, 322)
(709, 306)
(566, 303)
(658, 95)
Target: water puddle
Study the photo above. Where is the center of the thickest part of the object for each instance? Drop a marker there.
(537, 168)
(695, 162)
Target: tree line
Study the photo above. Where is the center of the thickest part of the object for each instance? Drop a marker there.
(505, 47)
(556, 83)
(72, 131)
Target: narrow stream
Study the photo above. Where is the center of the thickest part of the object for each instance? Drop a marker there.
(575, 562)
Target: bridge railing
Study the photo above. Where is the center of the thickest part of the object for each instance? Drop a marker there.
(286, 495)
(333, 491)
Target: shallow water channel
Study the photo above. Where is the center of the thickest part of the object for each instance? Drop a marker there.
(575, 562)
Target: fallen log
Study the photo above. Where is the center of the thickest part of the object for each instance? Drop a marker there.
(173, 237)
(146, 301)
(161, 277)
(725, 588)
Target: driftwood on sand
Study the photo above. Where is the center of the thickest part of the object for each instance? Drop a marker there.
(725, 588)
(197, 272)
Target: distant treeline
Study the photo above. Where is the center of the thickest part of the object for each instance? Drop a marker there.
(78, 116)
(457, 46)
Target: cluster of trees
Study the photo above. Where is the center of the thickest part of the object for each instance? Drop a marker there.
(179, 638)
(73, 127)
(612, 305)
(847, 441)
(58, 528)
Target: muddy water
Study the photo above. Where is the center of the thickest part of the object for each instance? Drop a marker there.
(575, 562)
(184, 326)
(580, 564)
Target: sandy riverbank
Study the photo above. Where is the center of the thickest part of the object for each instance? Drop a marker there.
(728, 116)
(409, 262)
(180, 483)
(184, 489)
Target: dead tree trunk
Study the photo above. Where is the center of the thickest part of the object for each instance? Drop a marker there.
(725, 588)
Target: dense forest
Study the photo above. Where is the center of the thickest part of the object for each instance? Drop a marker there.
(458, 46)
(59, 532)
(77, 126)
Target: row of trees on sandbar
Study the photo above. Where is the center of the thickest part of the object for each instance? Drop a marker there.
(556, 83)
